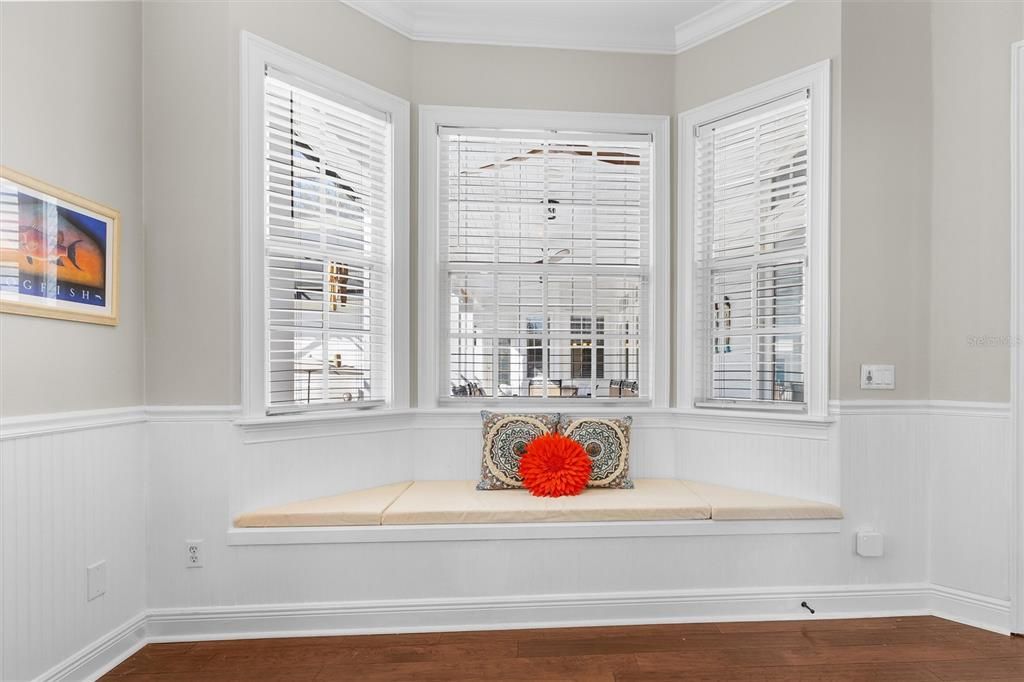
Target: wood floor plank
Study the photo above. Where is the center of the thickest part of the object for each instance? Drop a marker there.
(986, 669)
(870, 672)
(826, 624)
(569, 668)
(920, 649)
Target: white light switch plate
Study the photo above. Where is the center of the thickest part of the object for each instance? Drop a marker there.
(96, 580)
(878, 377)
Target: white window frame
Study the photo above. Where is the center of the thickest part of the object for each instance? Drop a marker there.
(816, 80)
(433, 352)
(256, 53)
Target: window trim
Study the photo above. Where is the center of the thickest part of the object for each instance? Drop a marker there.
(430, 288)
(816, 78)
(255, 53)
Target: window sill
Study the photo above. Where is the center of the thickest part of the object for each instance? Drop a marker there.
(264, 429)
(459, 415)
(545, 405)
(760, 422)
(328, 535)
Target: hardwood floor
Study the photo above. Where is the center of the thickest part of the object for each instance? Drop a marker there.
(904, 649)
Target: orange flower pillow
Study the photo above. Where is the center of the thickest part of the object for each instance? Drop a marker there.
(554, 466)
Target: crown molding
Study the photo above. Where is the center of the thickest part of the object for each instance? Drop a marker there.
(391, 14)
(721, 19)
(430, 26)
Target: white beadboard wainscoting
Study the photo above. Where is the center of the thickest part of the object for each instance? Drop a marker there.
(934, 478)
(73, 492)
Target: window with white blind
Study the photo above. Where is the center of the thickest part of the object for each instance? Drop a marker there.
(757, 222)
(326, 233)
(545, 262)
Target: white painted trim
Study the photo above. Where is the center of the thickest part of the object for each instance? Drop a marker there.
(322, 425)
(96, 659)
(33, 425)
(933, 407)
(456, 28)
(528, 611)
(816, 78)
(720, 19)
(289, 427)
(1017, 326)
(523, 531)
(972, 609)
(394, 15)
(537, 611)
(255, 54)
(296, 427)
(431, 375)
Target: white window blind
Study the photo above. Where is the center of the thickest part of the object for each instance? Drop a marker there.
(751, 254)
(326, 247)
(545, 263)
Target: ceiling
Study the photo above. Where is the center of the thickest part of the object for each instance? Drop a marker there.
(651, 26)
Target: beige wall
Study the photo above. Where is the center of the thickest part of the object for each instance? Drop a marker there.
(885, 192)
(69, 115)
(529, 78)
(797, 35)
(970, 258)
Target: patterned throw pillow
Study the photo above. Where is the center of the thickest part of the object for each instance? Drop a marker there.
(606, 440)
(505, 439)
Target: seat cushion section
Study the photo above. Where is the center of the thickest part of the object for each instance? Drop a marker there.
(356, 508)
(444, 502)
(733, 504)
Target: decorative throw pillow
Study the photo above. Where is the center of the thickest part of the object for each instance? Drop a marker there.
(554, 466)
(505, 439)
(606, 440)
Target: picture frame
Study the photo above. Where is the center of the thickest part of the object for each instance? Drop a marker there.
(59, 252)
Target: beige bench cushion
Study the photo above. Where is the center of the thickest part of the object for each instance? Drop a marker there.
(460, 502)
(733, 504)
(356, 508)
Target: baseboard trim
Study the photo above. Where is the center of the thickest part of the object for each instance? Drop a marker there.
(530, 611)
(972, 609)
(96, 659)
(629, 608)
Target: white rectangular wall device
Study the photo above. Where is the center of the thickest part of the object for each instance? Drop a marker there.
(870, 543)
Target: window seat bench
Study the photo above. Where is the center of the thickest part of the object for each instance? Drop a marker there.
(425, 503)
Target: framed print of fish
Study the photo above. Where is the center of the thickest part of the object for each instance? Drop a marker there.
(58, 252)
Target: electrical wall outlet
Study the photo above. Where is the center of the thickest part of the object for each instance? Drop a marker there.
(193, 553)
(878, 377)
(95, 580)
